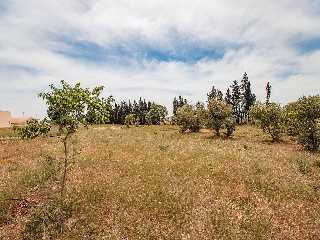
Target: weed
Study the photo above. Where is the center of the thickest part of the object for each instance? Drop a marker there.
(303, 165)
(47, 221)
(36, 177)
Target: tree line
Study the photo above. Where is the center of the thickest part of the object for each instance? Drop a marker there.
(138, 113)
(239, 106)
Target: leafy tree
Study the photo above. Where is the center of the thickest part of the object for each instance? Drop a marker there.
(157, 114)
(68, 107)
(188, 118)
(304, 116)
(129, 120)
(34, 129)
(218, 114)
(270, 117)
(291, 120)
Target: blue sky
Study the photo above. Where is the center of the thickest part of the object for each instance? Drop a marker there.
(157, 49)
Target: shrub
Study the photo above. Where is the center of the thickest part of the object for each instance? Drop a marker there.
(129, 120)
(270, 117)
(187, 118)
(220, 117)
(303, 116)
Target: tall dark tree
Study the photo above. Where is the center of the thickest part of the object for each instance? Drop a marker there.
(247, 97)
(268, 91)
(178, 103)
(227, 98)
(214, 94)
(236, 100)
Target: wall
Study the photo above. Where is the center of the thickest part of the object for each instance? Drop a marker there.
(5, 118)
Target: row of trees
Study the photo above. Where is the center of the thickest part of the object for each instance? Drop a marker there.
(138, 113)
(300, 118)
(238, 106)
(222, 112)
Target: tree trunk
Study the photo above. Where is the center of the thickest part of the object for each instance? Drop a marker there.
(66, 157)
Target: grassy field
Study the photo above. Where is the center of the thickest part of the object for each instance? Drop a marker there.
(156, 183)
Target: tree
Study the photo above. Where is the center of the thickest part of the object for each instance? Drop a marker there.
(156, 114)
(268, 92)
(178, 103)
(129, 120)
(247, 97)
(34, 129)
(215, 94)
(304, 116)
(68, 107)
(227, 98)
(219, 113)
(188, 118)
(270, 117)
(236, 100)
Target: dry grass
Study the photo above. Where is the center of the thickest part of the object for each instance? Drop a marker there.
(155, 183)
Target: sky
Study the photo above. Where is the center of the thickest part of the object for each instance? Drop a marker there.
(157, 49)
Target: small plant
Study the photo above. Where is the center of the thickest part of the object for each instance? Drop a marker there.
(303, 166)
(129, 120)
(317, 163)
(36, 177)
(46, 222)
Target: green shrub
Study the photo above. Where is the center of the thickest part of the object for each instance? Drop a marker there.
(187, 118)
(220, 117)
(303, 165)
(270, 117)
(303, 116)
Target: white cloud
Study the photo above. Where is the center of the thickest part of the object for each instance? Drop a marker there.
(260, 37)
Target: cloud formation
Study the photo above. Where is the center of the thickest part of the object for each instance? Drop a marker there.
(159, 49)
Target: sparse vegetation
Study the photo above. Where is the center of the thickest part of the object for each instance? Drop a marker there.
(160, 184)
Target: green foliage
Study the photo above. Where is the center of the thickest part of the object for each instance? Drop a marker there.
(270, 117)
(33, 129)
(303, 165)
(129, 120)
(302, 119)
(230, 125)
(214, 94)
(291, 119)
(46, 222)
(38, 176)
(70, 106)
(177, 103)
(187, 118)
(157, 114)
(308, 115)
(247, 97)
(220, 117)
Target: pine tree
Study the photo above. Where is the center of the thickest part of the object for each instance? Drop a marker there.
(247, 97)
(178, 103)
(228, 96)
(215, 94)
(236, 100)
